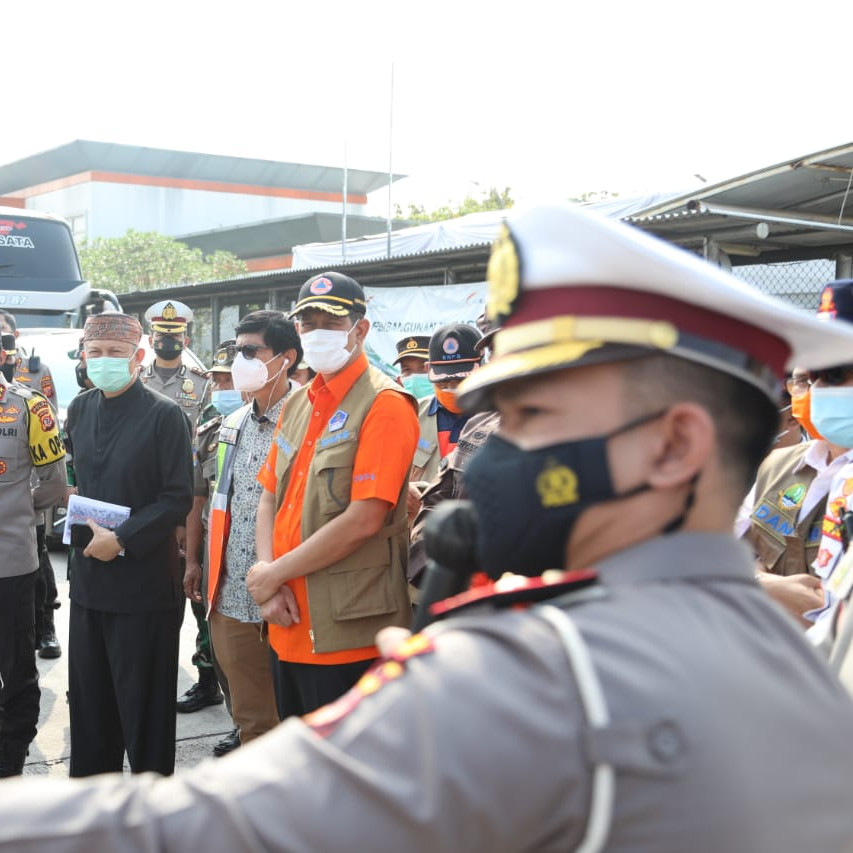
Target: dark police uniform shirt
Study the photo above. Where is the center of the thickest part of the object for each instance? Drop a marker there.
(132, 450)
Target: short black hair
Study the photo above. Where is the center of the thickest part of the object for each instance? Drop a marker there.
(278, 332)
(745, 418)
(10, 319)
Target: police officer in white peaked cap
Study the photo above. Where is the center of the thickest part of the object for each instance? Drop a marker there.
(187, 385)
(646, 695)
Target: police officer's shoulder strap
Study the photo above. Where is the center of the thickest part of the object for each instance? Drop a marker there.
(207, 426)
(21, 390)
(515, 591)
(196, 371)
(600, 814)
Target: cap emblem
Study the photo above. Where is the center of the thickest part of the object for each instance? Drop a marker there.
(450, 346)
(411, 344)
(169, 312)
(321, 287)
(557, 485)
(503, 274)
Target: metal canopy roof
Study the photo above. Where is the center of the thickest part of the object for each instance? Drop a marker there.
(84, 156)
(279, 236)
(427, 268)
(802, 208)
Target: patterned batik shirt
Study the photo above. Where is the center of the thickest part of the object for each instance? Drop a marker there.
(234, 600)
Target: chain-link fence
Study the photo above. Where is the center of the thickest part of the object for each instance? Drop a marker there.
(797, 282)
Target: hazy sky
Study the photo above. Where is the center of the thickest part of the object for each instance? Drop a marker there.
(548, 98)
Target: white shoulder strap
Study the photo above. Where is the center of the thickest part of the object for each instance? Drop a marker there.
(595, 708)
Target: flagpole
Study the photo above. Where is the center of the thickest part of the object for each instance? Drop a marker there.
(390, 155)
(344, 214)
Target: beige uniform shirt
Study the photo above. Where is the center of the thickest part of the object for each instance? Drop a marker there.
(32, 473)
(186, 386)
(726, 733)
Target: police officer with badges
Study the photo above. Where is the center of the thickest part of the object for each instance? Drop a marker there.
(649, 698)
(30, 450)
(167, 321)
(29, 370)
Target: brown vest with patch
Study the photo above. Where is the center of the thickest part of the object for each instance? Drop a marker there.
(785, 545)
(348, 601)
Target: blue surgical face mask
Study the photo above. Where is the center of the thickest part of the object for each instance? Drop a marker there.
(108, 373)
(832, 414)
(418, 385)
(226, 401)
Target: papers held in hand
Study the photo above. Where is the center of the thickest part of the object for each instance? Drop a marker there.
(81, 509)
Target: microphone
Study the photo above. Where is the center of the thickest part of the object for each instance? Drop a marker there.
(450, 540)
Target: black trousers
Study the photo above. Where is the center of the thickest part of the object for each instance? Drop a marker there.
(303, 687)
(122, 679)
(19, 693)
(46, 593)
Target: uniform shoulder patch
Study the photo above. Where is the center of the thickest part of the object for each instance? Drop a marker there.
(325, 720)
(517, 591)
(45, 443)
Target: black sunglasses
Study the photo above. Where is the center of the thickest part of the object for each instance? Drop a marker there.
(247, 350)
(831, 375)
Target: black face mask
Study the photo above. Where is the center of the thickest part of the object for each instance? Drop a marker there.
(8, 371)
(168, 348)
(528, 501)
(82, 376)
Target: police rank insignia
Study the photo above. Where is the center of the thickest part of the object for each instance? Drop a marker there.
(187, 386)
(504, 277)
(792, 496)
(557, 485)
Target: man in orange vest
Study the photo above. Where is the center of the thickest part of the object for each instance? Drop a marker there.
(332, 532)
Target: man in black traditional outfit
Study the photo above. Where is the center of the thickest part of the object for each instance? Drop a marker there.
(131, 447)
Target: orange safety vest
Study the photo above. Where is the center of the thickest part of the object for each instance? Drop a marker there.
(219, 523)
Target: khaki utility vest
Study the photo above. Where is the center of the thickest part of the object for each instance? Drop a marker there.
(348, 601)
(784, 545)
(427, 456)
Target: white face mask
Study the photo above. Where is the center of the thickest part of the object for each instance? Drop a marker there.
(326, 349)
(251, 374)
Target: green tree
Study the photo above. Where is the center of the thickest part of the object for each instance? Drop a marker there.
(491, 199)
(149, 260)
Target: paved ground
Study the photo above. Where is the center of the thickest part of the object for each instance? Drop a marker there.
(49, 753)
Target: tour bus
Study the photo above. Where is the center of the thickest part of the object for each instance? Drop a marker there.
(40, 278)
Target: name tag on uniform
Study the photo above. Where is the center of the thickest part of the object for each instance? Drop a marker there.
(338, 419)
(229, 434)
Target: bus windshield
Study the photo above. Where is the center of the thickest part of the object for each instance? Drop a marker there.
(40, 278)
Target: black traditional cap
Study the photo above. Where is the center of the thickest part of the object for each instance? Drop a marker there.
(571, 288)
(224, 356)
(453, 351)
(333, 292)
(169, 317)
(415, 346)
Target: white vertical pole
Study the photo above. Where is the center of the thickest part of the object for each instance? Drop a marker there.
(390, 154)
(344, 214)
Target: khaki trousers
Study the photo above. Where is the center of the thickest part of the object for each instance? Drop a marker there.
(244, 656)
